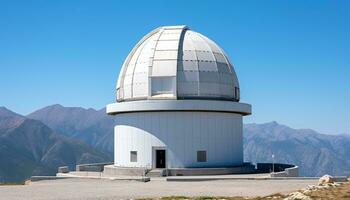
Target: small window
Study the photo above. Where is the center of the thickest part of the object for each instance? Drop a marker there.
(133, 156)
(237, 93)
(201, 156)
(118, 94)
(163, 86)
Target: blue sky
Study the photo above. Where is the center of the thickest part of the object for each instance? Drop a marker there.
(292, 57)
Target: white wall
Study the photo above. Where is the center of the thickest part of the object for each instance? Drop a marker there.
(182, 134)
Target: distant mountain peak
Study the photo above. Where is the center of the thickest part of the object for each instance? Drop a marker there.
(268, 125)
(55, 106)
(273, 123)
(3, 108)
(61, 107)
(92, 109)
(9, 119)
(71, 120)
(4, 112)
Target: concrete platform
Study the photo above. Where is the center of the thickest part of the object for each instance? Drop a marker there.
(112, 171)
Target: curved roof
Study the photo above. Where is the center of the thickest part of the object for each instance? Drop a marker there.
(174, 62)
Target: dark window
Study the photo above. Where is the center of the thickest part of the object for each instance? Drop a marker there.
(133, 156)
(201, 156)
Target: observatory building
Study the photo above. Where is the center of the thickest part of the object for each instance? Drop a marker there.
(177, 104)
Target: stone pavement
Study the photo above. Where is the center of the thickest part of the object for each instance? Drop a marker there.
(76, 188)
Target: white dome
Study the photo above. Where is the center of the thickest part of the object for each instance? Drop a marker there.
(173, 62)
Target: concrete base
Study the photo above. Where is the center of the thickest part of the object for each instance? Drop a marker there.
(245, 169)
(92, 167)
(111, 171)
(99, 175)
(80, 174)
(103, 170)
(41, 178)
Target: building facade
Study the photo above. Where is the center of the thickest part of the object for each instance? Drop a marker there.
(177, 104)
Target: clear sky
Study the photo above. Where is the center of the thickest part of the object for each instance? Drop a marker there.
(292, 57)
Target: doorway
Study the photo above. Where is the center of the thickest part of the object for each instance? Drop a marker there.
(160, 158)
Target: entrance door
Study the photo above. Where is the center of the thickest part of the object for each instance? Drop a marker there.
(160, 158)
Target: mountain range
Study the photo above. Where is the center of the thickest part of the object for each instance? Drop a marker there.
(316, 154)
(56, 135)
(29, 147)
(93, 127)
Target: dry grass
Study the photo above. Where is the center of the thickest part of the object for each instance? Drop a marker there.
(341, 192)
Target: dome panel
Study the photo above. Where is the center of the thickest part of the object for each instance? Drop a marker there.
(188, 55)
(164, 68)
(165, 55)
(175, 62)
(207, 66)
(205, 56)
(214, 47)
(198, 43)
(184, 65)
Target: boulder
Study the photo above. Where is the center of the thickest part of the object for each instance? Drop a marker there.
(326, 179)
(297, 195)
(27, 182)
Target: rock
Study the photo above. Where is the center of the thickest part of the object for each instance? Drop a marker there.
(326, 179)
(297, 195)
(306, 192)
(336, 184)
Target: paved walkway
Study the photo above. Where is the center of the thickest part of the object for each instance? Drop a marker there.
(107, 189)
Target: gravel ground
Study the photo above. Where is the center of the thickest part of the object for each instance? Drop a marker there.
(106, 189)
